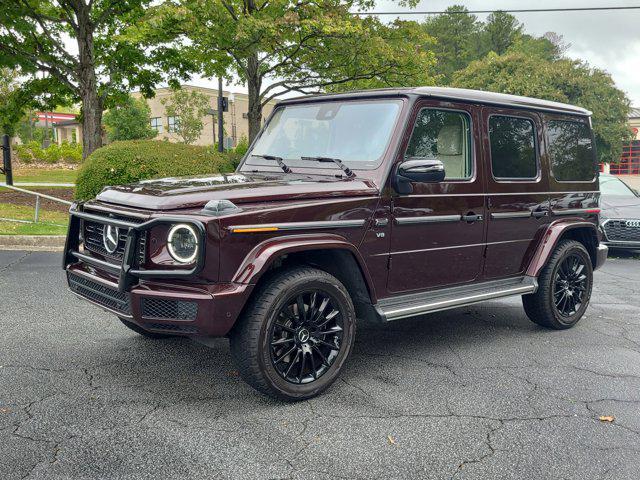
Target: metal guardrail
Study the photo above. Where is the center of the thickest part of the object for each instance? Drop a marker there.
(6, 169)
(36, 215)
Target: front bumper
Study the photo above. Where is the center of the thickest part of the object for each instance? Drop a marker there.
(601, 255)
(619, 245)
(150, 298)
(209, 310)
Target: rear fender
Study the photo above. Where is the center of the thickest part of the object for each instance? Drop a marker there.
(258, 261)
(555, 232)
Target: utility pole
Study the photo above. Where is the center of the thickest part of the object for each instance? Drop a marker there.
(220, 120)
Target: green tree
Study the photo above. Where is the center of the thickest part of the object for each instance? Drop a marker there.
(500, 32)
(188, 107)
(99, 68)
(9, 86)
(129, 120)
(280, 46)
(567, 81)
(456, 35)
(536, 46)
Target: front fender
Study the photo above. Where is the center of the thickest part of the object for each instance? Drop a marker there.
(551, 237)
(259, 259)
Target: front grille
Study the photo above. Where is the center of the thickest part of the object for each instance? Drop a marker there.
(172, 328)
(100, 294)
(622, 230)
(169, 309)
(94, 240)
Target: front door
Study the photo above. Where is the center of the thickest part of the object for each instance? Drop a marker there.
(437, 236)
(518, 186)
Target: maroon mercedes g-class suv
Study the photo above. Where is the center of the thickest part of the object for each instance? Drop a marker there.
(375, 205)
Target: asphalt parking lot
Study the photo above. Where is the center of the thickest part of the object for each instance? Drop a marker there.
(478, 392)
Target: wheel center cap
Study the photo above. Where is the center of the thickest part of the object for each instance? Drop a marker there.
(303, 335)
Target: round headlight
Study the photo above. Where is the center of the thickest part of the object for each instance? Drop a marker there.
(182, 243)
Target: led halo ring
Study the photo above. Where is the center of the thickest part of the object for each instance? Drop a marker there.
(172, 252)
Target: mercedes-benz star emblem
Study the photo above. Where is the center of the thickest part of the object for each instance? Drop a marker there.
(110, 237)
(303, 335)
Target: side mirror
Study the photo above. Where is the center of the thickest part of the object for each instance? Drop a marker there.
(420, 170)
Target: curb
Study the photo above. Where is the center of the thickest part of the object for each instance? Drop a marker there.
(36, 243)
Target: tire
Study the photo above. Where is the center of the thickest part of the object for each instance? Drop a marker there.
(560, 304)
(141, 331)
(273, 325)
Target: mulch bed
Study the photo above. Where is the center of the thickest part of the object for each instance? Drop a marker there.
(18, 198)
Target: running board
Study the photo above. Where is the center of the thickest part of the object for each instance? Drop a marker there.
(414, 304)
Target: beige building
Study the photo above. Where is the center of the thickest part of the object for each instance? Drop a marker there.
(236, 124)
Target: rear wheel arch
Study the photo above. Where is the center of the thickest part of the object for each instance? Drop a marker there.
(583, 232)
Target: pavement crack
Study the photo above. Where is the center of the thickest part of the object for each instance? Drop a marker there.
(15, 262)
(491, 450)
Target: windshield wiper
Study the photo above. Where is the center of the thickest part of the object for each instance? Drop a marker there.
(281, 163)
(337, 161)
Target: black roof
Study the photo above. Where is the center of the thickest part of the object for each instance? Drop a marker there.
(476, 96)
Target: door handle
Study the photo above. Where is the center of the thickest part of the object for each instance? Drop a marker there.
(539, 213)
(471, 217)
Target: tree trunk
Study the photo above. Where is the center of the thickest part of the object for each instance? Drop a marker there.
(91, 123)
(92, 104)
(254, 82)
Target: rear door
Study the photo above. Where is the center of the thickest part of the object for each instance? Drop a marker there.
(438, 229)
(517, 189)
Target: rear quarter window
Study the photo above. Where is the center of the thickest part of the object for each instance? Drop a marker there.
(571, 151)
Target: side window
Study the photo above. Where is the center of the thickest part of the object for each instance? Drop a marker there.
(571, 150)
(443, 135)
(513, 147)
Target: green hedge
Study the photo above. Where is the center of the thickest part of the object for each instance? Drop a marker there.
(125, 162)
(32, 152)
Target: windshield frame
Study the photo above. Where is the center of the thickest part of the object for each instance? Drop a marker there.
(614, 178)
(300, 166)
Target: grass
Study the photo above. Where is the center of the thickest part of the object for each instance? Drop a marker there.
(58, 175)
(49, 223)
(15, 228)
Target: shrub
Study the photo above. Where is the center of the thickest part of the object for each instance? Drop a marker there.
(129, 161)
(242, 146)
(32, 152)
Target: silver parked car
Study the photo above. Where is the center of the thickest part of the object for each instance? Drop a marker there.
(620, 213)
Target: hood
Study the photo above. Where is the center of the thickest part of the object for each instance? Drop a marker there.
(176, 193)
(617, 206)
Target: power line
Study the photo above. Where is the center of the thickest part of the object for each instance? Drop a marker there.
(522, 10)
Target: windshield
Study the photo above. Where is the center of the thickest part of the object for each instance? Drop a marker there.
(614, 186)
(356, 132)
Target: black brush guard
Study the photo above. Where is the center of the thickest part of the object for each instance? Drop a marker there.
(126, 272)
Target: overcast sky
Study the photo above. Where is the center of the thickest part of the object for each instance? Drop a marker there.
(606, 39)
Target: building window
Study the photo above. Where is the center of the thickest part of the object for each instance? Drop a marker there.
(513, 148)
(156, 124)
(172, 124)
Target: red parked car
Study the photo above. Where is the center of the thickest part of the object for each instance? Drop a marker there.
(376, 205)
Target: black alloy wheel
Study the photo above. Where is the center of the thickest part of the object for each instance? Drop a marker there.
(306, 337)
(296, 333)
(570, 285)
(564, 287)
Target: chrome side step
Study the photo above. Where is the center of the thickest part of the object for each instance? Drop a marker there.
(414, 304)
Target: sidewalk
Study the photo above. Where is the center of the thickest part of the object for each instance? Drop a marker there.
(46, 243)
